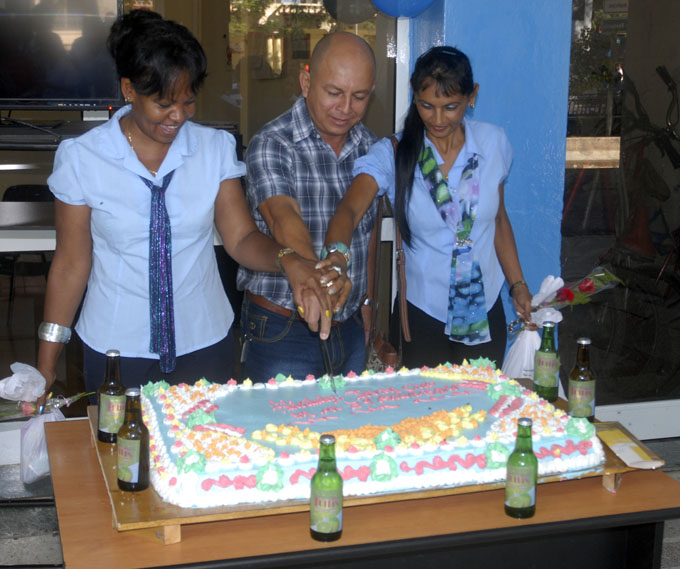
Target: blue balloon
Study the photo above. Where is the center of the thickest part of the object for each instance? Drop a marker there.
(401, 8)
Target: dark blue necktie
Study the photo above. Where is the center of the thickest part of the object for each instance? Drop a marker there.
(161, 304)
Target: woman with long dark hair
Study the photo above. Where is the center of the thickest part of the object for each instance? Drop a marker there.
(445, 180)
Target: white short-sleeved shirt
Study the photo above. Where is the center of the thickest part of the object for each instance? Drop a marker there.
(99, 169)
(428, 260)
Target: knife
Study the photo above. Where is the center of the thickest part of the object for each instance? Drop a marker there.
(327, 362)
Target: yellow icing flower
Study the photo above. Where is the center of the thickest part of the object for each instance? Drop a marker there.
(248, 382)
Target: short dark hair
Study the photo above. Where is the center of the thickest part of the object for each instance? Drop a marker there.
(152, 52)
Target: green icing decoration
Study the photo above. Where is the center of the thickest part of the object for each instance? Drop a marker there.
(191, 461)
(325, 382)
(200, 417)
(387, 438)
(496, 390)
(581, 428)
(149, 389)
(270, 471)
(383, 460)
(279, 378)
(483, 362)
(500, 452)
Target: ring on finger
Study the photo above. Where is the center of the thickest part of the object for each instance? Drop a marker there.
(329, 284)
(337, 269)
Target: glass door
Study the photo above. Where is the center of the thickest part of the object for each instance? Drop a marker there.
(622, 208)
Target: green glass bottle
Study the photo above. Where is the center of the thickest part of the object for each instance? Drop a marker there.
(111, 400)
(581, 395)
(547, 365)
(133, 446)
(522, 473)
(325, 506)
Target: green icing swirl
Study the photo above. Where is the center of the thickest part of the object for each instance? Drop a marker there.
(200, 417)
(280, 378)
(325, 382)
(483, 362)
(387, 438)
(268, 470)
(381, 460)
(496, 390)
(581, 428)
(500, 451)
(191, 461)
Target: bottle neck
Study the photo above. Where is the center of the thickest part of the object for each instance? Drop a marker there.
(133, 409)
(112, 370)
(583, 356)
(327, 455)
(548, 339)
(523, 442)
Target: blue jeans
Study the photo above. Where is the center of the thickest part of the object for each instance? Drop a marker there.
(276, 344)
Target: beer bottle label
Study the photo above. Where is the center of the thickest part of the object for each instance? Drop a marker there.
(128, 460)
(111, 413)
(581, 398)
(520, 487)
(326, 510)
(546, 369)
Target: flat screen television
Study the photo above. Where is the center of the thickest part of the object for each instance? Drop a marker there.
(53, 55)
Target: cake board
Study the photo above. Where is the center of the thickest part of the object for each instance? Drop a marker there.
(146, 509)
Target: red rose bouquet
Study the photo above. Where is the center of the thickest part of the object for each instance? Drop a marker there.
(579, 292)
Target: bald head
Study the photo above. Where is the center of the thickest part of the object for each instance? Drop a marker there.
(332, 45)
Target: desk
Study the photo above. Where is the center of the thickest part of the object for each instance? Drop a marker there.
(577, 523)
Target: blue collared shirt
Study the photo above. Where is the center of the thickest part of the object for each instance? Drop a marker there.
(288, 157)
(100, 169)
(428, 260)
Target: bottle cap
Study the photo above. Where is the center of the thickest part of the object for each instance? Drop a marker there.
(524, 422)
(548, 324)
(133, 392)
(327, 439)
(112, 354)
(583, 341)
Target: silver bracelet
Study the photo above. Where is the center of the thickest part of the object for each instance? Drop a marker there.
(51, 332)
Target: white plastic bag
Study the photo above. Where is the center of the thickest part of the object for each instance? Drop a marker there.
(520, 359)
(25, 384)
(35, 463)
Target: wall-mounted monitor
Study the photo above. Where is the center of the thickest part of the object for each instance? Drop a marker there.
(53, 55)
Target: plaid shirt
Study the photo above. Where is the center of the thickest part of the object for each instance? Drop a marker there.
(288, 157)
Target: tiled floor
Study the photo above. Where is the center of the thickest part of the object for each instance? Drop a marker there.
(29, 533)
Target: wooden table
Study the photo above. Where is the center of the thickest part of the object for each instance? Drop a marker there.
(577, 524)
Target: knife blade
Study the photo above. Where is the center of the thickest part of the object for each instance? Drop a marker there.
(327, 362)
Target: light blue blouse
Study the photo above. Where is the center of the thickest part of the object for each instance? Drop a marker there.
(428, 260)
(99, 169)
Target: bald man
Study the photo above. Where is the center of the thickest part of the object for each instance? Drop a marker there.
(299, 166)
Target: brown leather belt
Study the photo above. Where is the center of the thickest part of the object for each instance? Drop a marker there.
(267, 304)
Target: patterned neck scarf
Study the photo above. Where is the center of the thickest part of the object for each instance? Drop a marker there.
(161, 305)
(466, 321)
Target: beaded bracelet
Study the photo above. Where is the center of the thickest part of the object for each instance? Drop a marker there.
(51, 332)
(514, 285)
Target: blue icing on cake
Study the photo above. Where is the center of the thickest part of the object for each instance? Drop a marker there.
(231, 444)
